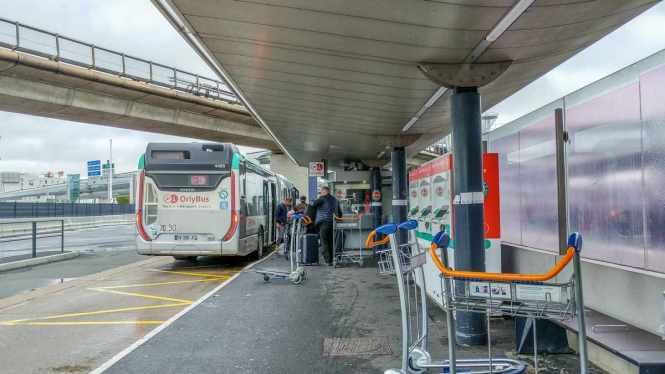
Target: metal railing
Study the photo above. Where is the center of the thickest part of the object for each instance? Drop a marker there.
(35, 41)
(35, 210)
(60, 231)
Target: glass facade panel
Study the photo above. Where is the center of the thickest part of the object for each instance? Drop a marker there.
(538, 183)
(652, 87)
(605, 176)
(508, 150)
(616, 172)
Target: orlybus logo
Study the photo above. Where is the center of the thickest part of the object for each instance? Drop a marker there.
(171, 199)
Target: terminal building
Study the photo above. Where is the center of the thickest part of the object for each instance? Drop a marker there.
(466, 247)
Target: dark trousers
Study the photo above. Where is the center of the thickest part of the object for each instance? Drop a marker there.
(326, 236)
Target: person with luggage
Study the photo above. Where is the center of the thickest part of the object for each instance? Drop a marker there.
(323, 211)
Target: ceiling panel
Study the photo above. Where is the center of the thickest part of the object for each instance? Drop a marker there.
(339, 78)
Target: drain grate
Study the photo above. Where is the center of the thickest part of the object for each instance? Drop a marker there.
(366, 346)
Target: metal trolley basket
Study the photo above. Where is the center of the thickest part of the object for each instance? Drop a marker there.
(297, 272)
(518, 295)
(341, 255)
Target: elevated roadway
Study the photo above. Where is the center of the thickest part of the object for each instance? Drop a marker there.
(90, 188)
(67, 79)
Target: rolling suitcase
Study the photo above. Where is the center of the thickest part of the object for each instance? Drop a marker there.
(309, 246)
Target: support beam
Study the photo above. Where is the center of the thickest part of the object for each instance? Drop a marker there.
(400, 193)
(375, 187)
(468, 210)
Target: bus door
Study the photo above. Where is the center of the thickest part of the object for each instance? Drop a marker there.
(266, 210)
(273, 208)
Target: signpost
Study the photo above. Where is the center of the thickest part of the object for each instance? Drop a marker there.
(94, 168)
(73, 187)
(317, 169)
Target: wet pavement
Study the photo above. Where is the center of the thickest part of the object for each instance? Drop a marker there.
(77, 324)
(344, 320)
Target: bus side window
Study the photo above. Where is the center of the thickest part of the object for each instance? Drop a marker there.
(243, 179)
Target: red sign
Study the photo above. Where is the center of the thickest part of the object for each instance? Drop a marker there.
(492, 207)
(376, 195)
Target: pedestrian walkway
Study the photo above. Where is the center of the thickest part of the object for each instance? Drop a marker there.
(343, 320)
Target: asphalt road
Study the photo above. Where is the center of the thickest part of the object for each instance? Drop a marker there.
(101, 249)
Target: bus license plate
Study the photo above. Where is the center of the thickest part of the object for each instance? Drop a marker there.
(186, 237)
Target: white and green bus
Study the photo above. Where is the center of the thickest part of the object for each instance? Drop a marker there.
(205, 199)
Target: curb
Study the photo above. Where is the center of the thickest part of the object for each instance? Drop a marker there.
(37, 261)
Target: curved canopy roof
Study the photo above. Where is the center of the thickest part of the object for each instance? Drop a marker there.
(339, 78)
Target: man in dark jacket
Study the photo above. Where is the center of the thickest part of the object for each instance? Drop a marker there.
(323, 211)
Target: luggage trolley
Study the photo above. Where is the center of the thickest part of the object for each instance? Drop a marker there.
(297, 272)
(341, 226)
(529, 296)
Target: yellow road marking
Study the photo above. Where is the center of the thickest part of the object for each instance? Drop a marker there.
(161, 283)
(172, 302)
(83, 323)
(194, 274)
(142, 295)
(92, 313)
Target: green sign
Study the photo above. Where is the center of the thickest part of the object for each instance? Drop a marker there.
(73, 187)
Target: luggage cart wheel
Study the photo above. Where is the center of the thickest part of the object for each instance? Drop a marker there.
(420, 356)
(266, 278)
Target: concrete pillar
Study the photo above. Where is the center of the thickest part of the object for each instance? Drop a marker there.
(375, 187)
(400, 190)
(468, 223)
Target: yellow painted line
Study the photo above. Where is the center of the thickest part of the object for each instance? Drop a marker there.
(172, 302)
(88, 323)
(94, 313)
(158, 284)
(194, 274)
(143, 295)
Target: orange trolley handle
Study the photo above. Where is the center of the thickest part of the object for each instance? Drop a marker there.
(574, 246)
(371, 243)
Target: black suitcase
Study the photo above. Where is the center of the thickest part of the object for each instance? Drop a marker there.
(309, 246)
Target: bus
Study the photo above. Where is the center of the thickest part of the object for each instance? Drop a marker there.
(205, 199)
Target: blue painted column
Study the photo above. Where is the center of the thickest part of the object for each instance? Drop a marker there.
(468, 202)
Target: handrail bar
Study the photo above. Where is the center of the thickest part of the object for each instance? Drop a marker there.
(501, 277)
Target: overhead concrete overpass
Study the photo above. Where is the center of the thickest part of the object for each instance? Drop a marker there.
(43, 80)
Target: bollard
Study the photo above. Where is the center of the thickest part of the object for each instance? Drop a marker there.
(34, 239)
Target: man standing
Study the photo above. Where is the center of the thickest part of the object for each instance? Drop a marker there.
(324, 210)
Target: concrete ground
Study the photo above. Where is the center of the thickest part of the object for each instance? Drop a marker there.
(254, 327)
(101, 249)
(74, 326)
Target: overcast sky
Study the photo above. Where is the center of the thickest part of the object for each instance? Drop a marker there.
(135, 27)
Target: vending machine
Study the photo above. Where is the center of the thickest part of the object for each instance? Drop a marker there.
(431, 196)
